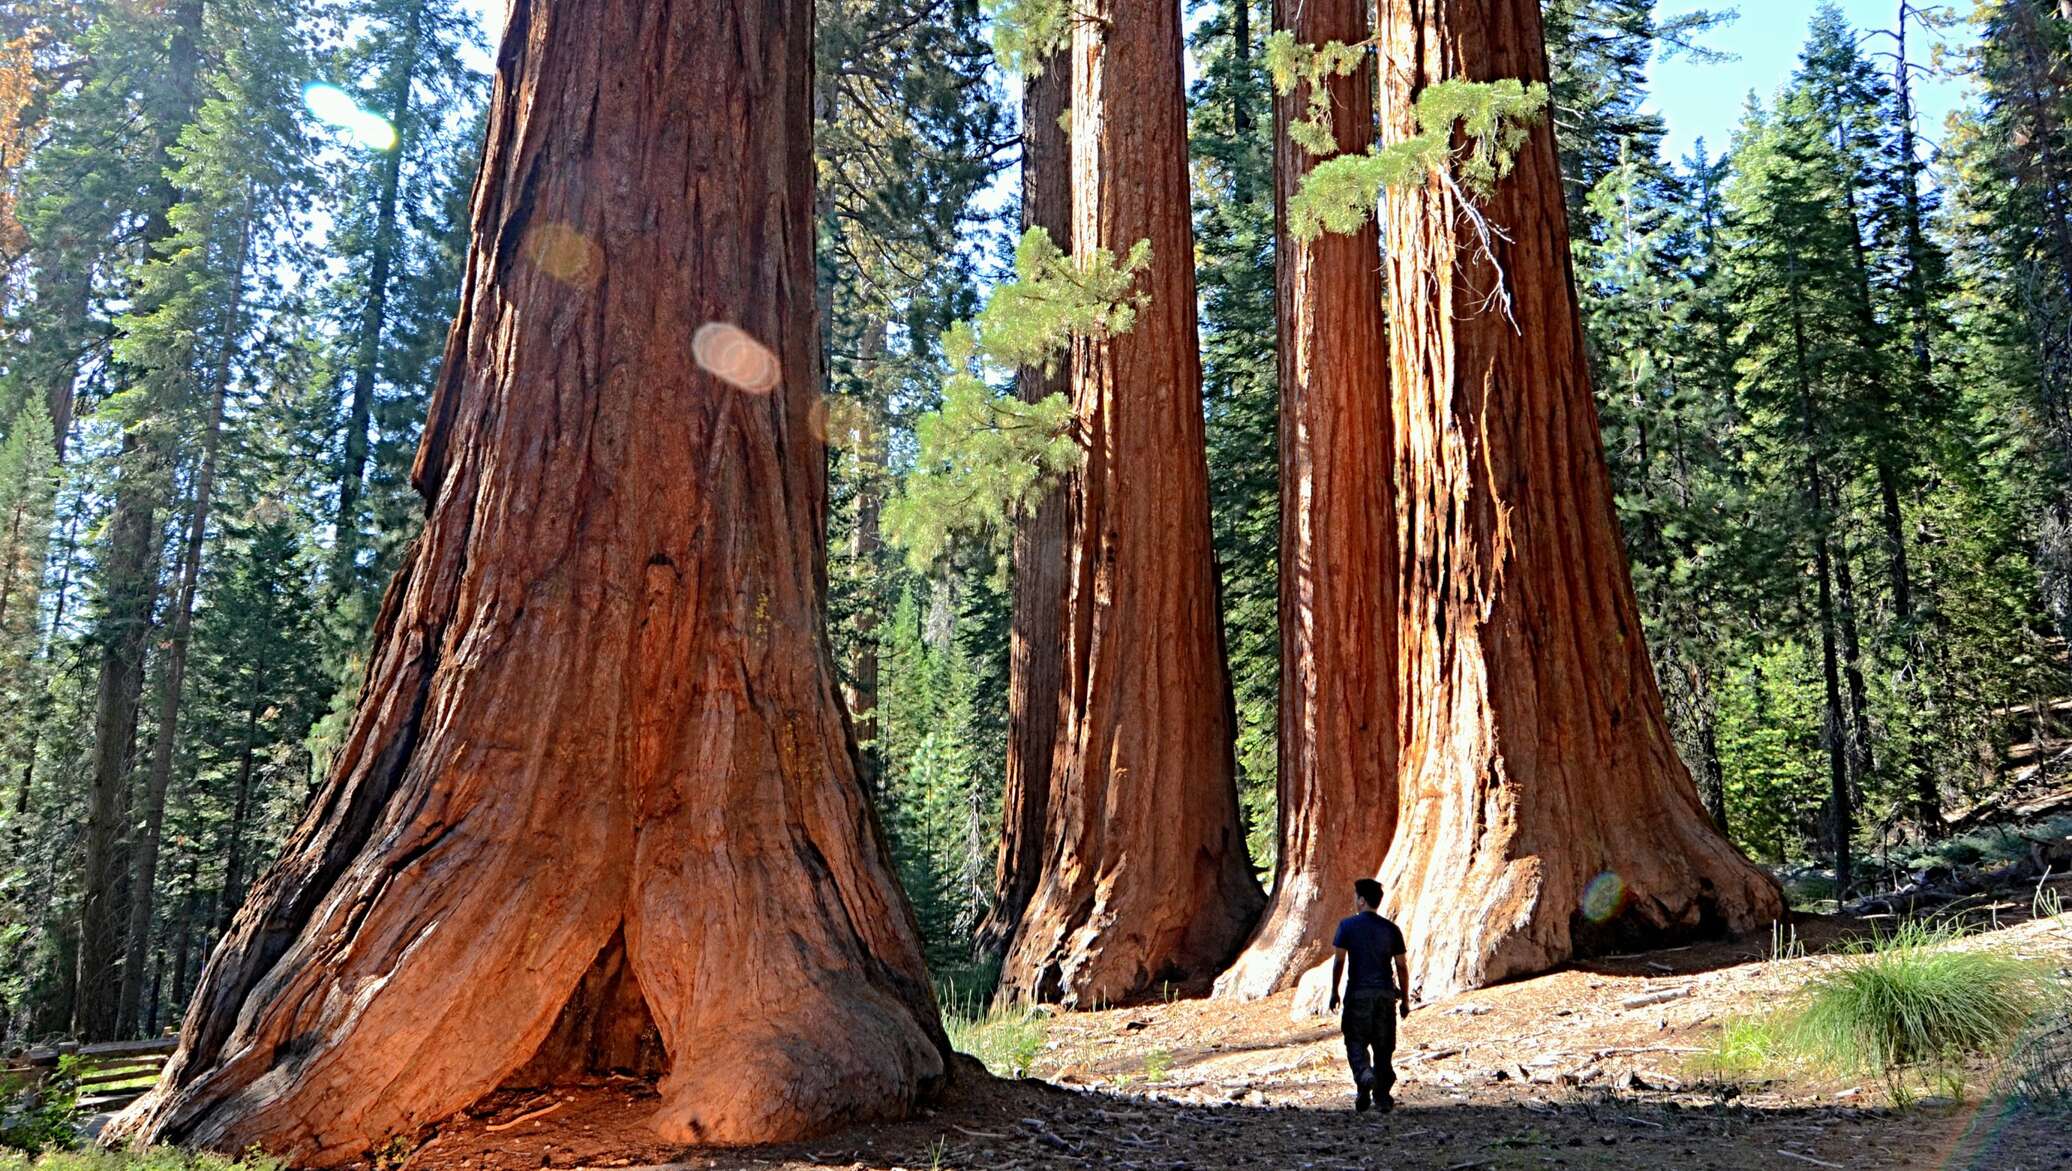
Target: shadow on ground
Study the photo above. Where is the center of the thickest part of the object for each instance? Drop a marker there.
(984, 1122)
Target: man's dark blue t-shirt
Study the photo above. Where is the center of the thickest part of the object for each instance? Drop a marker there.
(1370, 942)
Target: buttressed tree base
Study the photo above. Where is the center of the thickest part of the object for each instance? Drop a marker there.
(599, 784)
(1544, 812)
(1144, 877)
(1337, 759)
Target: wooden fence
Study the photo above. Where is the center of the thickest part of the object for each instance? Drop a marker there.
(111, 1074)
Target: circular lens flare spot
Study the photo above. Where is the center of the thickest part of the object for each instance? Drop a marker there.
(730, 355)
(841, 422)
(329, 104)
(373, 131)
(565, 254)
(1604, 898)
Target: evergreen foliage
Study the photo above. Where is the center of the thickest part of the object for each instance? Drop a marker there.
(1833, 362)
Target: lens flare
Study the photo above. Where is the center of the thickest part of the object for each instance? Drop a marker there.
(842, 422)
(329, 104)
(373, 131)
(336, 108)
(729, 354)
(1604, 898)
(565, 254)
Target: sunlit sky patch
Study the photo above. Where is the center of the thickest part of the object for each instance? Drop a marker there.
(336, 108)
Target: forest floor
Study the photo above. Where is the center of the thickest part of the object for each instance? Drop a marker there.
(1562, 1070)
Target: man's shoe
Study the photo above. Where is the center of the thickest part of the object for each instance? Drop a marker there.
(1384, 1102)
(1362, 1099)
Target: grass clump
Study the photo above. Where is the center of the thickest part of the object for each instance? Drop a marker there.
(1896, 1005)
(1909, 998)
(1005, 1040)
(1743, 1050)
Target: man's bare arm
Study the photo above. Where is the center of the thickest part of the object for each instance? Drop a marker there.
(1337, 970)
(1403, 982)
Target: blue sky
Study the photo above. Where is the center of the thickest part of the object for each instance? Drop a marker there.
(1700, 99)
(1705, 99)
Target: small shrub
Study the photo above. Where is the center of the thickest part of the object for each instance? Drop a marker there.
(38, 1116)
(1005, 1040)
(1909, 999)
(1809, 892)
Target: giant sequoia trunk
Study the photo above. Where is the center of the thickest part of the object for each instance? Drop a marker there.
(1042, 545)
(599, 740)
(1544, 811)
(1144, 877)
(1338, 547)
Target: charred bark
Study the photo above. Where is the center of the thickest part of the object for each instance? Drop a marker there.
(603, 699)
(1042, 546)
(1145, 879)
(1338, 571)
(1544, 811)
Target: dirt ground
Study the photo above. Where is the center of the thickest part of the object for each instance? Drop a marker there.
(1565, 1070)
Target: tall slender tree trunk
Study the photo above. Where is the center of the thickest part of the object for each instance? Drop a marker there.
(129, 584)
(603, 705)
(1042, 546)
(1145, 879)
(366, 373)
(1240, 95)
(145, 862)
(866, 548)
(1920, 310)
(1834, 727)
(240, 817)
(1861, 761)
(1544, 811)
(129, 575)
(1711, 775)
(1339, 566)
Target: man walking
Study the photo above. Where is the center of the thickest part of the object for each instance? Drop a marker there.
(1379, 984)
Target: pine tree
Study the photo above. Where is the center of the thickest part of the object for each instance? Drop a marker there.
(28, 497)
(244, 176)
(409, 68)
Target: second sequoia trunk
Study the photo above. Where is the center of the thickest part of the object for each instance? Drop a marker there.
(1042, 545)
(1338, 546)
(1145, 878)
(599, 779)
(1544, 811)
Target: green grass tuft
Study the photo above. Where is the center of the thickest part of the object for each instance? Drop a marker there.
(1743, 1050)
(1909, 998)
(1006, 1040)
(1895, 1006)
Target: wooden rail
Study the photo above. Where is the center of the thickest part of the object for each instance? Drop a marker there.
(110, 1074)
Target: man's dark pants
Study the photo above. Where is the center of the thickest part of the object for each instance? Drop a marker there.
(1369, 1024)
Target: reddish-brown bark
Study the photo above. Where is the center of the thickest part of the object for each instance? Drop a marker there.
(602, 715)
(1338, 547)
(1042, 544)
(1145, 878)
(1536, 758)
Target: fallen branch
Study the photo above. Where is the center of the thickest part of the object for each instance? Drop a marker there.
(542, 1112)
(1647, 998)
(1807, 1159)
